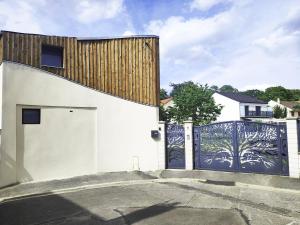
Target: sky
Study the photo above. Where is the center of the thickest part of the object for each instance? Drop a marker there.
(250, 44)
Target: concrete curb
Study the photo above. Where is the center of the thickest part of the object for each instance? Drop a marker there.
(91, 186)
(274, 181)
(138, 182)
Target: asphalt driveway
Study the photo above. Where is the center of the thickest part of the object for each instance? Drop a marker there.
(156, 201)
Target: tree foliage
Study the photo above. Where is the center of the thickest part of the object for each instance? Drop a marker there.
(296, 94)
(164, 114)
(228, 88)
(255, 93)
(163, 94)
(176, 88)
(193, 101)
(279, 112)
(296, 107)
(214, 88)
(272, 93)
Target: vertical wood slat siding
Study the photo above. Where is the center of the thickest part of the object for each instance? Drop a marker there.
(125, 67)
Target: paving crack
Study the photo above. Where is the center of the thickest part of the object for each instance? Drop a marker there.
(122, 216)
(243, 215)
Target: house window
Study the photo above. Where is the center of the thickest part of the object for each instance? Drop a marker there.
(292, 113)
(52, 56)
(258, 110)
(246, 110)
(31, 116)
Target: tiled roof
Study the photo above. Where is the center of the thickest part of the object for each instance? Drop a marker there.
(165, 101)
(242, 98)
(290, 104)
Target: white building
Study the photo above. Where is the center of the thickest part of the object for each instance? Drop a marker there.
(292, 112)
(237, 106)
(72, 106)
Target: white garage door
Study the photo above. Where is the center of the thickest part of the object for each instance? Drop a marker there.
(55, 142)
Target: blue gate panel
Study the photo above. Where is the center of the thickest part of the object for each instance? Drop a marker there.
(222, 162)
(283, 145)
(175, 146)
(258, 147)
(242, 146)
(215, 147)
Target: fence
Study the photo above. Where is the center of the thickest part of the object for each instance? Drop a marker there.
(175, 146)
(241, 146)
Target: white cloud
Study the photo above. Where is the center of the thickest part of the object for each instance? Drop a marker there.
(20, 16)
(128, 33)
(243, 46)
(285, 39)
(88, 11)
(205, 5)
(253, 68)
(177, 32)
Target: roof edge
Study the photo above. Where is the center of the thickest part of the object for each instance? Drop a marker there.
(115, 37)
(86, 38)
(260, 101)
(216, 92)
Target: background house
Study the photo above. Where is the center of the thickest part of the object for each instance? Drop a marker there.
(237, 106)
(72, 106)
(166, 103)
(291, 107)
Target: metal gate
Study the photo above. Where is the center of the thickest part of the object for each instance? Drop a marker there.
(175, 146)
(242, 146)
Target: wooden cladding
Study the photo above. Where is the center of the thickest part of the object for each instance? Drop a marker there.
(124, 67)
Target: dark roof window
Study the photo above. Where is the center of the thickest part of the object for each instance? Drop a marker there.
(242, 98)
(52, 56)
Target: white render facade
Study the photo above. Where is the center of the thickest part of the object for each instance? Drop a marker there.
(235, 110)
(82, 131)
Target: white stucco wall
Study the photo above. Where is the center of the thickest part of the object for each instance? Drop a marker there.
(63, 134)
(122, 127)
(230, 110)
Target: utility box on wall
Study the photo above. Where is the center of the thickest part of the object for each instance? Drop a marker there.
(154, 134)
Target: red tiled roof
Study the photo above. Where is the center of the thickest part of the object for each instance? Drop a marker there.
(165, 101)
(290, 104)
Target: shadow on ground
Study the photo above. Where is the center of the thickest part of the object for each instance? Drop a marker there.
(54, 209)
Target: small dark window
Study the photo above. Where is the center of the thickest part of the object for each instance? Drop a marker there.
(258, 110)
(31, 116)
(52, 56)
(246, 110)
(292, 113)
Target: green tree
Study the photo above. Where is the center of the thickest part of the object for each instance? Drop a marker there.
(176, 88)
(255, 93)
(214, 88)
(296, 107)
(279, 112)
(164, 114)
(228, 88)
(163, 94)
(196, 102)
(296, 94)
(272, 93)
